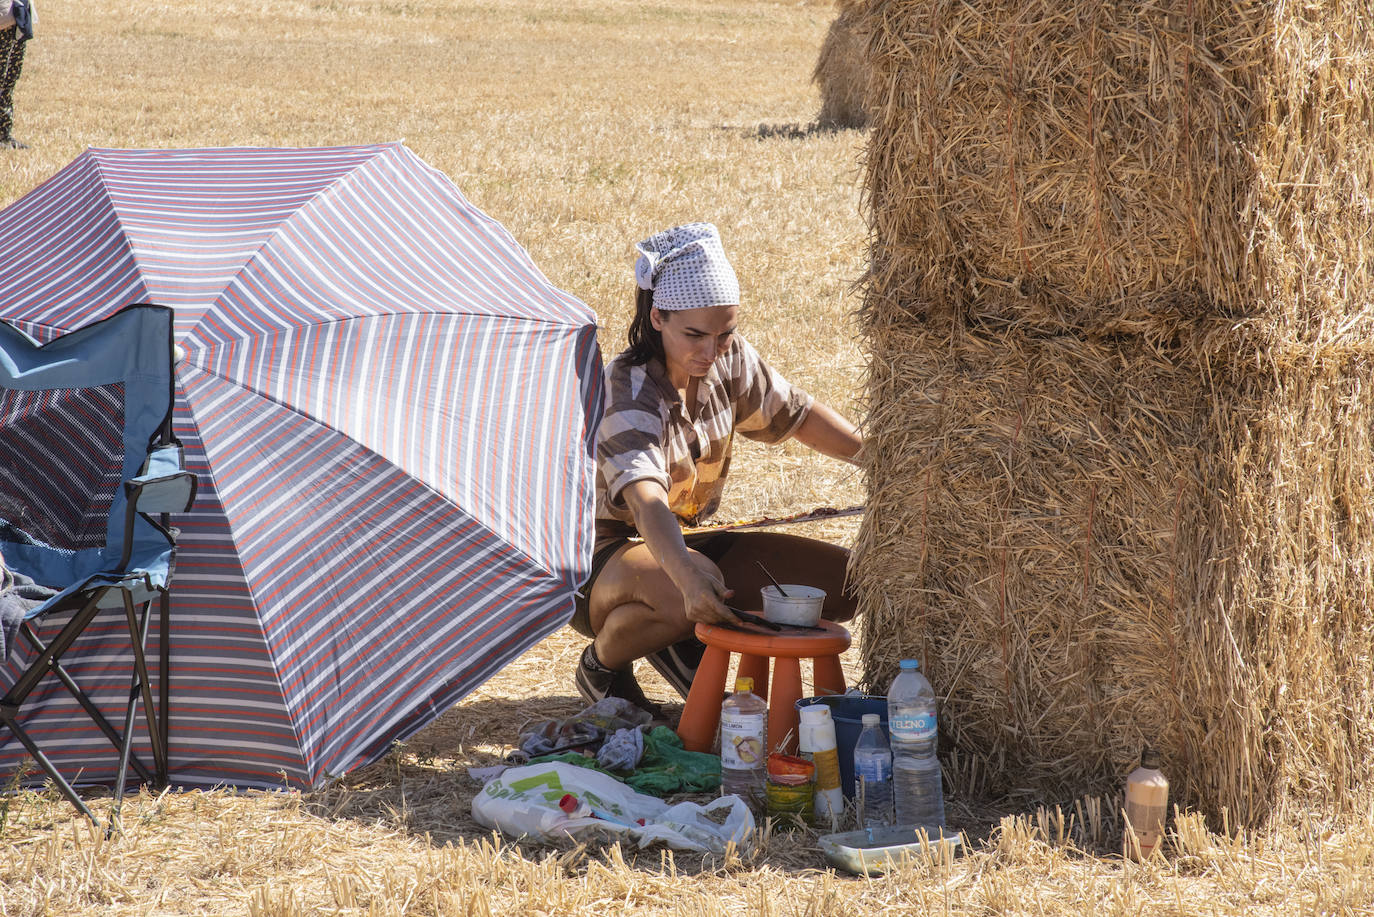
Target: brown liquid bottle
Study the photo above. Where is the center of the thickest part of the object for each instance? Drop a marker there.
(1147, 802)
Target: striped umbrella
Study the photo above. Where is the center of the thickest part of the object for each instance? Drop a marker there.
(391, 412)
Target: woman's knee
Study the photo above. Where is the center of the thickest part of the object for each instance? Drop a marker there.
(635, 577)
(635, 619)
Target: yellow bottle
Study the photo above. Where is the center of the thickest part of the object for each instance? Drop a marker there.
(816, 740)
(1147, 802)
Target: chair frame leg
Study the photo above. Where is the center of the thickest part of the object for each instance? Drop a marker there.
(8, 718)
(164, 683)
(48, 661)
(97, 716)
(140, 687)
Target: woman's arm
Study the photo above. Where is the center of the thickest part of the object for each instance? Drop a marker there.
(703, 595)
(829, 433)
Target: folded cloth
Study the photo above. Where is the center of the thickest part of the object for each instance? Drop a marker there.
(550, 736)
(19, 13)
(18, 594)
(586, 730)
(668, 767)
(622, 751)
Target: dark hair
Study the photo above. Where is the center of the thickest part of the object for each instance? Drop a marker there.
(646, 342)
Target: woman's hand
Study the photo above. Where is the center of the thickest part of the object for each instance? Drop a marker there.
(703, 597)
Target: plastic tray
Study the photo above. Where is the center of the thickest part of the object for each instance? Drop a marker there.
(874, 851)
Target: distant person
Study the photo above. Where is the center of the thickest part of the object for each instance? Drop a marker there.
(675, 399)
(16, 28)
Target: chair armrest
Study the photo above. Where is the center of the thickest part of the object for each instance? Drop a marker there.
(165, 486)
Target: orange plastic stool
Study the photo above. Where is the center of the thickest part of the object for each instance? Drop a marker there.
(701, 716)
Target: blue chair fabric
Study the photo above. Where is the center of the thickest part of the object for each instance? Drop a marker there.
(90, 472)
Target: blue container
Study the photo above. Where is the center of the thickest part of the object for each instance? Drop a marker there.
(847, 710)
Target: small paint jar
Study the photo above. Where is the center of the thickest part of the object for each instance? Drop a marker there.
(790, 789)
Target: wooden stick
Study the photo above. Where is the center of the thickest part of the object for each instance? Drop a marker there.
(821, 512)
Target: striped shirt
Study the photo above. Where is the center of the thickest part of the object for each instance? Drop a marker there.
(648, 433)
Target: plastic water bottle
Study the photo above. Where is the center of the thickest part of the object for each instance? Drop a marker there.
(917, 791)
(743, 744)
(873, 774)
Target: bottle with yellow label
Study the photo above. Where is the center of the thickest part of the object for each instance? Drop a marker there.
(743, 740)
(816, 740)
(1147, 803)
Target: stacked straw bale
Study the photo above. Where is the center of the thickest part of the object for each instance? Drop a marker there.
(1120, 312)
(841, 72)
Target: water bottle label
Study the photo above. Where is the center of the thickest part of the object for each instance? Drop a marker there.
(741, 740)
(873, 768)
(912, 727)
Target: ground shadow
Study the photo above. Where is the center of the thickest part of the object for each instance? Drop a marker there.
(425, 787)
(792, 130)
(425, 784)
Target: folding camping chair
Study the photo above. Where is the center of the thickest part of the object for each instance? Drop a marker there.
(87, 461)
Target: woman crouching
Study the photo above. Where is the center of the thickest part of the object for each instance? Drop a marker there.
(675, 399)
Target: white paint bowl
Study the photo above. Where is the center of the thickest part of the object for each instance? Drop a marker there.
(801, 605)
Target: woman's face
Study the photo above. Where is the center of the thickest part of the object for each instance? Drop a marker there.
(693, 338)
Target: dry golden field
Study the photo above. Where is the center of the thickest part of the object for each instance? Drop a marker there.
(582, 125)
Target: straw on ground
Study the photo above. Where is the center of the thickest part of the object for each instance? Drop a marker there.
(581, 125)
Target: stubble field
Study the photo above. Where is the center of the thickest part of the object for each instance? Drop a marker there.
(583, 126)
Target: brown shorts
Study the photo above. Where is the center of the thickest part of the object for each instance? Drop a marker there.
(713, 545)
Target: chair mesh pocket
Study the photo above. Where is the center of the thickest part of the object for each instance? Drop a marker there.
(61, 461)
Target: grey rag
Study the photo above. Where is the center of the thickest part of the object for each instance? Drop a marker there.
(622, 751)
(18, 595)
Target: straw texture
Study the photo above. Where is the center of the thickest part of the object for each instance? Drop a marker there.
(841, 72)
(1123, 166)
(1120, 427)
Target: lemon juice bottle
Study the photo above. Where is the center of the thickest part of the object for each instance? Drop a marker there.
(743, 741)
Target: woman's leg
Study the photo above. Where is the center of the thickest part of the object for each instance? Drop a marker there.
(636, 608)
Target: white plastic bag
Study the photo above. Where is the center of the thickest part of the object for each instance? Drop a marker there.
(524, 802)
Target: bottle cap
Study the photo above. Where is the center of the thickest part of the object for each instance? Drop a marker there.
(1149, 758)
(815, 731)
(910, 664)
(744, 683)
(872, 719)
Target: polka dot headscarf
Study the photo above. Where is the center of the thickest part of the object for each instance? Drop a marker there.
(686, 268)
